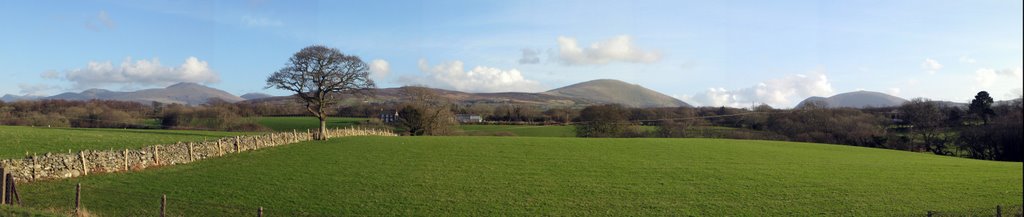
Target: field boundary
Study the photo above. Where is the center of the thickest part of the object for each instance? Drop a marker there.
(68, 165)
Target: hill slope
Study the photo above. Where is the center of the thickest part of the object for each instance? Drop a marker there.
(615, 91)
(858, 99)
(251, 96)
(577, 95)
(386, 176)
(181, 93)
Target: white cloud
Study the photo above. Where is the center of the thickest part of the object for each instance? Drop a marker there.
(253, 21)
(781, 92)
(931, 65)
(968, 60)
(987, 77)
(379, 69)
(619, 48)
(451, 75)
(530, 56)
(141, 73)
(100, 22)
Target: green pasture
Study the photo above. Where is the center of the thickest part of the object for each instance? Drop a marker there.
(301, 123)
(487, 176)
(16, 141)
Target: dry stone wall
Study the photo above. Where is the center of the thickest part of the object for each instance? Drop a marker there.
(67, 165)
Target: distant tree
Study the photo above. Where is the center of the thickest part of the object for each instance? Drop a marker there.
(683, 119)
(927, 120)
(317, 74)
(425, 113)
(410, 120)
(609, 120)
(981, 106)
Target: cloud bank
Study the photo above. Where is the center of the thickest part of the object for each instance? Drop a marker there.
(452, 75)
(139, 73)
(987, 77)
(619, 48)
(781, 92)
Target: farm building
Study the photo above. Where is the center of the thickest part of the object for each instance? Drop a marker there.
(468, 118)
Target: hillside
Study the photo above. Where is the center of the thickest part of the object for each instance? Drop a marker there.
(615, 91)
(181, 93)
(251, 96)
(473, 176)
(577, 95)
(15, 98)
(857, 99)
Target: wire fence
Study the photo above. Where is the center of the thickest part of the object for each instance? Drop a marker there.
(999, 211)
(121, 202)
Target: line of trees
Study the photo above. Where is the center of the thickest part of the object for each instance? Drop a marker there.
(982, 130)
(214, 115)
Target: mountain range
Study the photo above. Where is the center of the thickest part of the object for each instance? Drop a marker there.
(181, 93)
(856, 99)
(602, 91)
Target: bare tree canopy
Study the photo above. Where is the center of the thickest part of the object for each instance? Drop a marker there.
(317, 73)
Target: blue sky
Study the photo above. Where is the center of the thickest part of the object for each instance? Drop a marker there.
(733, 53)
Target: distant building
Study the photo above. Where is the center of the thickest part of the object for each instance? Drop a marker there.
(389, 116)
(468, 118)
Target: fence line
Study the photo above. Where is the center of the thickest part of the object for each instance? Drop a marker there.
(68, 165)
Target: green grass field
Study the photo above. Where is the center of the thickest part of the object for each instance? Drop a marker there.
(519, 130)
(303, 122)
(15, 141)
(441, 176)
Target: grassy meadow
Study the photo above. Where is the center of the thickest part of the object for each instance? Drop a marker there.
(518, 130)
(436, 176)
(301, 123)
(16, 141)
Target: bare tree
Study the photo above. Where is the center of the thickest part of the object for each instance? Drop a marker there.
(317, 74)
(426, 113)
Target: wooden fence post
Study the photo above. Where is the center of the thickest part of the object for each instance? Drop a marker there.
(3, 184)
(220, 150)
(156, 155)
(163, 205)
(259, 213)
(126, 159)
(191, 157)
(85, 166)
(78, 198)
(237, 140)
(999, 211)
(12, 194)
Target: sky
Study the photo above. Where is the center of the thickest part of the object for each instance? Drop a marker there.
(707, 53)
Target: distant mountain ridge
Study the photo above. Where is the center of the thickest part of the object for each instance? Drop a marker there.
(601, 91)
(619, 92)
(181, 93)
(252, 96)
(15, 98)
(856, 99)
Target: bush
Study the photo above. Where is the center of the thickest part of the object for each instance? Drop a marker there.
(609, 120)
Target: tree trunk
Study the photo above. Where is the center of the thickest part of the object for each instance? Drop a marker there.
(323, 128)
